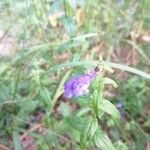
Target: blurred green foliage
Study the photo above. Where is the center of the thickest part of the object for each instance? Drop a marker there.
(49, 33)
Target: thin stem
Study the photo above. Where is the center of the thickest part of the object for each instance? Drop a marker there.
(17, 80)
(11, 102)
(65, 8)
(138, 126)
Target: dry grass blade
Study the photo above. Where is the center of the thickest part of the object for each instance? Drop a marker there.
(2, 147)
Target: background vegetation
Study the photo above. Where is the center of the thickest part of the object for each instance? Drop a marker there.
(43, 43)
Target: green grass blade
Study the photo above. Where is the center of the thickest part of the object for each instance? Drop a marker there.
(59, 90)
(140, 50)
(16, 140)
(128, 69)
(95, 63)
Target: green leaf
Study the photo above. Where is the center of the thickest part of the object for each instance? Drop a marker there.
(82, 100)
(77, 123)
(65, 109)
(110, 81)
(28, 106)
(70, 44)
(102, 141)
(3, 68)
(45, 96)
(69, 24)
(147, 124)
(109, 108)
(83, 111)
(108, 68)
(42, 145)
(106, 63)
(16, 140)
(92, 129)
(83, 141)
(119, 145)
(59, 90)
(72, 3)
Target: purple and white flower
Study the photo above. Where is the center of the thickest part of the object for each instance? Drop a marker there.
(79, 85)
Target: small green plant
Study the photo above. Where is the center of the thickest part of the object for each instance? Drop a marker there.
(47, 36)
(89, 125)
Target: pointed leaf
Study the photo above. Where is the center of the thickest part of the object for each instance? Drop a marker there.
(16, 140)
(76, 122)
(92, 129)
(102, 141)
(109, 108)
(110, 81)
(69, 24)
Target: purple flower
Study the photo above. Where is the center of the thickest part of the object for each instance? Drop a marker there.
(79, 85)
(120, 105)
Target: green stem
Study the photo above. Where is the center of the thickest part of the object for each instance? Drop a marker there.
(17, 81)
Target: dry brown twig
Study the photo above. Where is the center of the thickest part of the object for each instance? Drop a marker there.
(35, 127)
(3, 147)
